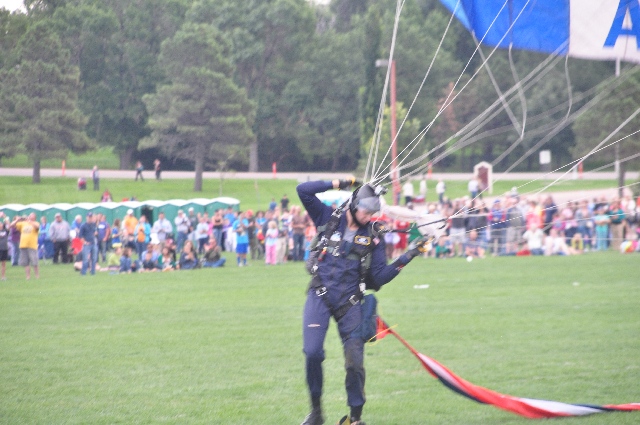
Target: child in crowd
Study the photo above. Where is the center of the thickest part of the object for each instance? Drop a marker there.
(113, 258)
(602, 228)
(555, 243)
(577, 244)
(127, 265)
(242, 245)
(271, 243)
(148, 264)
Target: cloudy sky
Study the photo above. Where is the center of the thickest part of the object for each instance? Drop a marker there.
(15, 4)
(11, 4)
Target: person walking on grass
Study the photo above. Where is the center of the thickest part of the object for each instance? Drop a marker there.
(29, 229)
(95, 176)
(139, 170)
(157, 167)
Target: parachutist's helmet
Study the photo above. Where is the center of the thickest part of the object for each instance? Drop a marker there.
(367, 198)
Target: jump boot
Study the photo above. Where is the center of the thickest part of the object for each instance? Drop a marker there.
(314, 418)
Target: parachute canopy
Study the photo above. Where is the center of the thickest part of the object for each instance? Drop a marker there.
(587, 29)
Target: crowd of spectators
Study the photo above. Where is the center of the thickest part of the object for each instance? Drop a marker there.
(191, 240)
(515, 225)
(507, 225)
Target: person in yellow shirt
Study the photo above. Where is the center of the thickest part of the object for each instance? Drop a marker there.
(29, 229)
(130, 222)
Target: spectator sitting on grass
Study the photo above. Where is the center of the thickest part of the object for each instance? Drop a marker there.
(534, 237)
(166, 261)
(77, 266)
(188, 258)
(212, 254)
(113, 258)
(443, 248)
(127, 265)
(555, 243)
(473, 247)
(577, 244)
(148, 263)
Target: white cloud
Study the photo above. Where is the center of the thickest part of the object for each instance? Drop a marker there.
(12, 4)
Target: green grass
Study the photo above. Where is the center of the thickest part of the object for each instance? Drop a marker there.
(458, 189)
(103, 157)
(253, 194)
(224, 345)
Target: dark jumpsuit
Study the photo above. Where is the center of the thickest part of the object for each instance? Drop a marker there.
(341, 276)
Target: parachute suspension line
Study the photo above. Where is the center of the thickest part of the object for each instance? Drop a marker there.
(533, 192)
(615, 82)
(467, 139)
(625, 122)
(447, 100)
(568, 77)
(612, 164)
(608, 85)
(435, 55)
(569, 202)
(570, 102)
(373, 152)
(564, 123)
(570, 164)
(475, 125)
(523, 105)
(514, 73)
(501, 96)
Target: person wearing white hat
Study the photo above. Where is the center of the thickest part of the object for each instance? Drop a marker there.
(130, 222)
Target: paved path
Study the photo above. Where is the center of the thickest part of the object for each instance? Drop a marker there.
(299, 176)
(559, 197)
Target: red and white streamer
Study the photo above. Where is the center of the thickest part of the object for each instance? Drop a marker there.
(527, 407)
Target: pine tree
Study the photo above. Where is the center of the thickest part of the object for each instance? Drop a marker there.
(201, 115)
(38, 100)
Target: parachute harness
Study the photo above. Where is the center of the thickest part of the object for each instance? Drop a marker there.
(324, 244)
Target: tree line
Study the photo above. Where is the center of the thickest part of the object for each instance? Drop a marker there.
(224, 84)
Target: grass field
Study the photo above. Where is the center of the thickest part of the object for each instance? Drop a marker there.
(223, 346)
(253, 194)
(104, 157)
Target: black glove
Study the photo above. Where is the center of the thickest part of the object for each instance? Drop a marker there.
(347, 183)
(418, 246)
